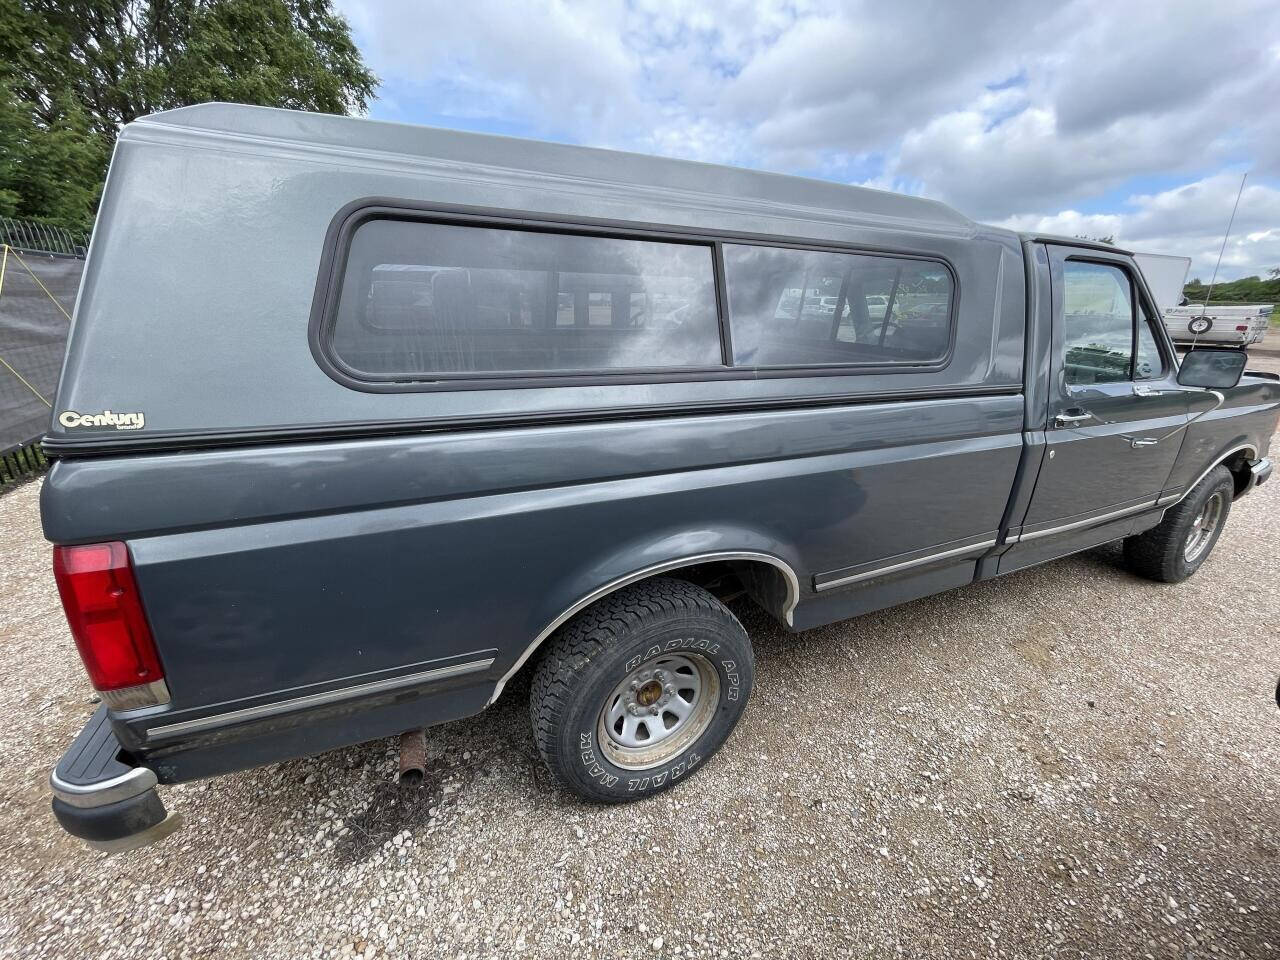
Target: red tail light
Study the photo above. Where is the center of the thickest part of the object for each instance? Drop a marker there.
(105, 613)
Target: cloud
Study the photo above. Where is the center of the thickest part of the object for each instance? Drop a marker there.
(1101, 116)
(1188, 221)
(562, 71)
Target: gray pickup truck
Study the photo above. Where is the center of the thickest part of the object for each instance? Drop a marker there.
(359, 421)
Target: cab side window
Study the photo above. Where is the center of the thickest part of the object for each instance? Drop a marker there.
(1097, 325)
(1107, 335)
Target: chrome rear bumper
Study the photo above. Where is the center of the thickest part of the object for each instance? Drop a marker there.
(103, 800)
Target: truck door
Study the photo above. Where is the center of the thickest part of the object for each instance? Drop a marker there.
(1114, 409)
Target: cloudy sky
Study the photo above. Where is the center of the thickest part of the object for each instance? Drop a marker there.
(1109, 118)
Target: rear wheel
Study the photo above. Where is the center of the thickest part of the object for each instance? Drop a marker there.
(639, 690)
(1183, 540)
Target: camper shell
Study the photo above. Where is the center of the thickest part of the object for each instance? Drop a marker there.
(382, 415)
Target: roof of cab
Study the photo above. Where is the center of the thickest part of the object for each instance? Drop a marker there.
(358, 137)
(1065, 241)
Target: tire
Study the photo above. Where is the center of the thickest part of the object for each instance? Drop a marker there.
(1167, 552)
(1200, 325)
(597, 733)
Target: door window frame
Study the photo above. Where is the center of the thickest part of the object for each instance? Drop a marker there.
(1138, 294)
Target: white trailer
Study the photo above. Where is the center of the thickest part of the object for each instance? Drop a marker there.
(1239, 324)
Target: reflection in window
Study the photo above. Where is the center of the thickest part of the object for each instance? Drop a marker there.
(423, 298)
(1097, 323)
(1148, 364)
(802, 307)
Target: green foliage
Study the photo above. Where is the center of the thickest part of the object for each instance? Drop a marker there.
(1244, 290)
(72, 73)
(54, 172)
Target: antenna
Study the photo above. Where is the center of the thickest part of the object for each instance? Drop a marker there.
(1214, 279)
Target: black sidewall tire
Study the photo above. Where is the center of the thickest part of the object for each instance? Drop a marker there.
(1200, 325)
(1160, 553)
(1182, 568)
(589, 771)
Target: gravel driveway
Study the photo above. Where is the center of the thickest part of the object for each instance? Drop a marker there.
(1068, 761)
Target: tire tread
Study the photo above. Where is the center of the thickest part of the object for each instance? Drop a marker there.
(1157, 553)
(590, 633)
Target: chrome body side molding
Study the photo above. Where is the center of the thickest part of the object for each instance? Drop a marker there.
(1166, 501)
(904, 565)
(1086, 522)
(169, 730)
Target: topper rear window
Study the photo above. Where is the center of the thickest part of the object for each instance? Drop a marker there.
(421, 300)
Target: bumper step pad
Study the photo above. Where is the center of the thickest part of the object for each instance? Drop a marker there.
(102, 799)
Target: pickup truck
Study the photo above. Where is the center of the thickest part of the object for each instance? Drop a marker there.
(361, 421)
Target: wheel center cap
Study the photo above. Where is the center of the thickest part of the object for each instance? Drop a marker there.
(648, 695)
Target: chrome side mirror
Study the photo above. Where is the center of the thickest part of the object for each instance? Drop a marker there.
(1212, 368)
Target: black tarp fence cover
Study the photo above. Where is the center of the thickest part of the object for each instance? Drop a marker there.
(37, 295)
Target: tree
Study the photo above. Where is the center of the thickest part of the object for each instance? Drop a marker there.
(71, 74)
(52, 173)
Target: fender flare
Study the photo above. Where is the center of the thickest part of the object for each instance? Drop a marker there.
(1220, 459)
(642, 573)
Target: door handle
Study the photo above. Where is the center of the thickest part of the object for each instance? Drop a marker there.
(1141, 391)
(1136, 442)
(1071, 419)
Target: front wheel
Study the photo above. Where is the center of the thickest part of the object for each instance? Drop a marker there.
(1175, 548)
(639, 690)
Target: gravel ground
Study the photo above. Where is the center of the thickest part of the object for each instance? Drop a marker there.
(1068, 761)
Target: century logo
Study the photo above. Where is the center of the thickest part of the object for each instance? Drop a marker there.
(121, 421)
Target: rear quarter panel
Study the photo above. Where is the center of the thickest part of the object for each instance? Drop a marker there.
(270, 569)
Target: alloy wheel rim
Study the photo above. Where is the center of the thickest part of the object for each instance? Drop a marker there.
(658, 710)
(1203, 528)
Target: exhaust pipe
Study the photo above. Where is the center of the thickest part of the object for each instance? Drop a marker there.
(413, 757)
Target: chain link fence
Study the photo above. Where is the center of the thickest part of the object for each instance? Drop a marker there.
(40, 270)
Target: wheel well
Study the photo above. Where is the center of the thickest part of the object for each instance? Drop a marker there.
(1238, 464)
(765, 583)
(727, 580)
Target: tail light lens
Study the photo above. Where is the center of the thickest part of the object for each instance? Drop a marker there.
(1241, 328)
(110, 628)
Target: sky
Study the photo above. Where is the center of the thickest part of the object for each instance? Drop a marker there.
(1119, 118)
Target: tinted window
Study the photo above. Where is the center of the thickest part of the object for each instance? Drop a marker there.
(801, 307)
(420, 299)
